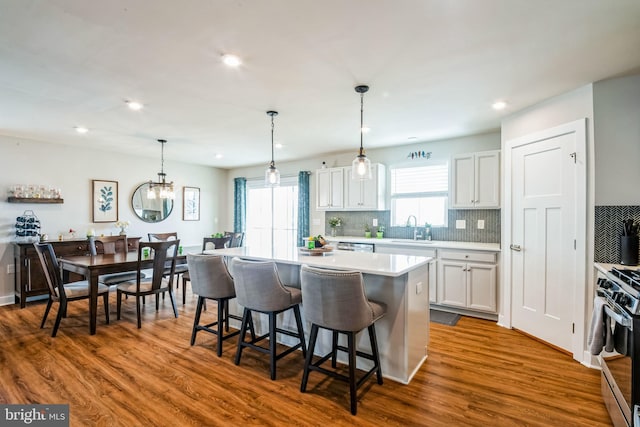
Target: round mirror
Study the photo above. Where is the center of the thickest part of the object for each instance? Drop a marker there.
(150, 210)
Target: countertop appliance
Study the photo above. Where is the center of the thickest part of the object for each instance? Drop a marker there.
(620, 382)
(356, 247)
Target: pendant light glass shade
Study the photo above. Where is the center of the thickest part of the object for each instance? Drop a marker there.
(361, 165)
(272, 175)
(161, 189)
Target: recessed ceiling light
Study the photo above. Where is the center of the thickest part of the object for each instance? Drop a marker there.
(499, 105)
(219, 156)
(231, 60)
(81, 129)
(278, 145)
(135, 106)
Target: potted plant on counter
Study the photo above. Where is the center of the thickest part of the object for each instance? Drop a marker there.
(367, 230)
(380, 232)
(334, 222)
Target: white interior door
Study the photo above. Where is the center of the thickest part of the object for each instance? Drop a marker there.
(544, 258)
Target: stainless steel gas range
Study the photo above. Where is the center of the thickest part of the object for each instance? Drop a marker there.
(620, 289)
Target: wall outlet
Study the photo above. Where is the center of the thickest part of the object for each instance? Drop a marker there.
(375, 222)
(461, 224)
(11, 269)
(481, 224)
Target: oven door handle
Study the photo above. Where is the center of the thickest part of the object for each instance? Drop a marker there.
(620, 319)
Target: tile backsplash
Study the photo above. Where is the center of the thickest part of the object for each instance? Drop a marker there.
(353, 225)
(608, 229)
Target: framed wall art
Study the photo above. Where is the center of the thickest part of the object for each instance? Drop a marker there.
(190, 204)
(104, 200)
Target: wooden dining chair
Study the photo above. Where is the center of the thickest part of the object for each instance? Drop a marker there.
(63, 293)
(111, 245)
(164, 258)
(236, 239)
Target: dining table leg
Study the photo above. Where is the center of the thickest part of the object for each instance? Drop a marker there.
(93, 302)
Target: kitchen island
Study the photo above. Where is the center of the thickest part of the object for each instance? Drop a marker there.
(399, 281)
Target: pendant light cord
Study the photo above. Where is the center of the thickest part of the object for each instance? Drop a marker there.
(272, 156)
(361, 119)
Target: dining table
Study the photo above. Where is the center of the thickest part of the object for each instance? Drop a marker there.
(94, 266)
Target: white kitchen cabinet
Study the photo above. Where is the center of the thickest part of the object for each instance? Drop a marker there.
(467, 280)
(330, 189)
(368, 194)
(475, 180)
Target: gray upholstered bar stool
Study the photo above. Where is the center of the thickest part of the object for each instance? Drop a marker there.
(258, 288)
(210, 279)
(335, 300)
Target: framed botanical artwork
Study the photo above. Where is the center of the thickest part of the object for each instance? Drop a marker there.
(190, 204)
(104, 200)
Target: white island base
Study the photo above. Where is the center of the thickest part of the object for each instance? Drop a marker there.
(399, 281)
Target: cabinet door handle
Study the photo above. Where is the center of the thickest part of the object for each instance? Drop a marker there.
(516, 248)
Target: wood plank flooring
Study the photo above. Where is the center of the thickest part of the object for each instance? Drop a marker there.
(477, 374)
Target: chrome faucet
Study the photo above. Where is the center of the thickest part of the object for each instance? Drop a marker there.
(415, 226)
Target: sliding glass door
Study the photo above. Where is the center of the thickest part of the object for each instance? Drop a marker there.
(272, 213)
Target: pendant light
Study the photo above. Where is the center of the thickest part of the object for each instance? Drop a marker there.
(272, 175)
(161, 189)
(361, 166)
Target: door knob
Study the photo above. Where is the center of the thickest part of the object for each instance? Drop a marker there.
(516, 248)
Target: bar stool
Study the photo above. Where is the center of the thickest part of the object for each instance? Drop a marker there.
(335, 300)
(210, 279)
(259, 289)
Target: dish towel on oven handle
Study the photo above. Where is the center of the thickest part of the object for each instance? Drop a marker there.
(600, 335)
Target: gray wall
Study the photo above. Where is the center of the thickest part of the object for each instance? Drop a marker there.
(72, 169)
(617, 136)
(391, 156)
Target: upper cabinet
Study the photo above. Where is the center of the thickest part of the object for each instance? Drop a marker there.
(368, 194)
(335, 190)
(475, 180)
(330, 188)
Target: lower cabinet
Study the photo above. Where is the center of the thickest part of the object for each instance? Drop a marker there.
(467, 280)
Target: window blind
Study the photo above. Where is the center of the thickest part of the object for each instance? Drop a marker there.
(420, 179)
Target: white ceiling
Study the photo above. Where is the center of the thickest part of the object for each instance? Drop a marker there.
(434, 68)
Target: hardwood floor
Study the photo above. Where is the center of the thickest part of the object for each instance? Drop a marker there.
(477, 374)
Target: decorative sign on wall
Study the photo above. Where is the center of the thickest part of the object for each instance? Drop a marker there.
(419, 155)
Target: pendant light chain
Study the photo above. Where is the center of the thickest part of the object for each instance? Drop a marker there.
(162, 142)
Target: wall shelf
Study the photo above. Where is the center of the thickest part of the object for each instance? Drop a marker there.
(33, 200)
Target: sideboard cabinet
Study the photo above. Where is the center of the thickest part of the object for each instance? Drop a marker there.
(30, 282)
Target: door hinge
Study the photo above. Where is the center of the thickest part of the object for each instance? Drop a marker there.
(575, 244)
(573, 328)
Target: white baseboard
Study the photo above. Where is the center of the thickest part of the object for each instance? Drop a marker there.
(7, 300)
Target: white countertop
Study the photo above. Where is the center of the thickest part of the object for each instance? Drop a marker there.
(604, 267)
(440, 244)
(370, 263)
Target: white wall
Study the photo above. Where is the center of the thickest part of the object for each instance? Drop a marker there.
(72, 169)
(617, 136)
(390, 156)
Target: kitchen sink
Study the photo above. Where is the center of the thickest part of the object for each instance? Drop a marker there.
(421, 242)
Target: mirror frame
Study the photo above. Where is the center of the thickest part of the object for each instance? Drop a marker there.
(142, 190)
